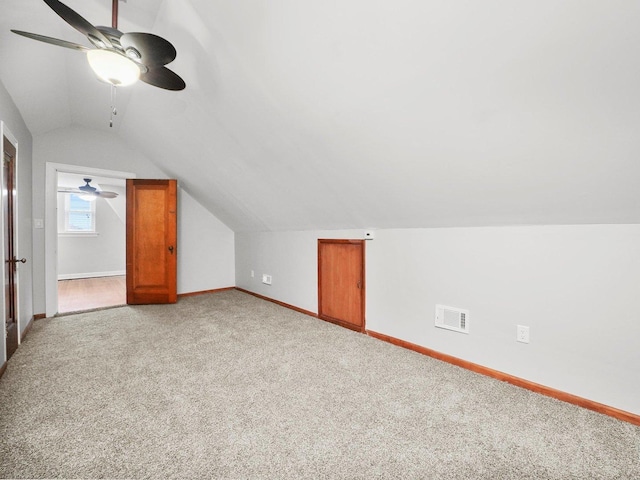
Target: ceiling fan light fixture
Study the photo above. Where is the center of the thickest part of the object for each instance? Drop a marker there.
(87, 197)
(113, 67)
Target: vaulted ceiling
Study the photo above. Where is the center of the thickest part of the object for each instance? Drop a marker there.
(322, 114)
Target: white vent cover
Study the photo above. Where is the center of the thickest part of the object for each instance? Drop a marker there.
(452, 318)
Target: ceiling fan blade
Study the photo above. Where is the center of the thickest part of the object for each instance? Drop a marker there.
(151, 50)
(74, 19)
(53, 41)
(164, 78)
(104, 194)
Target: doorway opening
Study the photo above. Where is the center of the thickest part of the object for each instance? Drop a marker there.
(85, 237)
(91, 242)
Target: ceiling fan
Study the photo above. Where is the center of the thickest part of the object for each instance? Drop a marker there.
(88, 192)
(118, 58)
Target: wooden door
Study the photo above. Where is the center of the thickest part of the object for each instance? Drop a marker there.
(10, 260)
(341, 289)
(151, 241)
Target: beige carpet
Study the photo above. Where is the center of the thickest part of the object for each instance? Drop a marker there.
(226, 385)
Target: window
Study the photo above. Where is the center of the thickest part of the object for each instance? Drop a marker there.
(79, 214)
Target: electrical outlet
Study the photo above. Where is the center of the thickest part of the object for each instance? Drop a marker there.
(253, 274)
(522, 334)
(266, 279)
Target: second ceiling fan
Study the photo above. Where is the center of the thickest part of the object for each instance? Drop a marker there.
(118, 58)
(88, 192)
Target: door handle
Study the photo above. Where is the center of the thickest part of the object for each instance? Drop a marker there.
(171, 249)
(359, 283)
(15, 260)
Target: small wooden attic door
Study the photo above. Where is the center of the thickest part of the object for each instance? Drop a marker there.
(341, 286)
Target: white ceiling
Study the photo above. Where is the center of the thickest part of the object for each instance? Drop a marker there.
(321, 114)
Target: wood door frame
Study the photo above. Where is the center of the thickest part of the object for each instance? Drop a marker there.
(51, 223)
(361, 243)
(6, 133)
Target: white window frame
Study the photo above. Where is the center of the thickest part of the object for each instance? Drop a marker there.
(80, 233)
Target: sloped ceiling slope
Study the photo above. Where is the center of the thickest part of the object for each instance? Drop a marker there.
(373, 114)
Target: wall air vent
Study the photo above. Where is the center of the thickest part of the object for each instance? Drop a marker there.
(452, 318)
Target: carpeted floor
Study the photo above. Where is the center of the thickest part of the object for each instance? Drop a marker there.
(229, 386)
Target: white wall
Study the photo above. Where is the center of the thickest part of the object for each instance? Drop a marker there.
(12, 122)
(105, 150)
(576, 287)
(82, 256)
(206, 249)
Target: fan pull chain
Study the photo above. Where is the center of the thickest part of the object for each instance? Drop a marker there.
(114, 112)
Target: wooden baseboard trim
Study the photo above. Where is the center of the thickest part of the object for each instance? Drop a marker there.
(39, 316)
(519, 382)
(26, 330)
(202, 292)
(278, 302)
